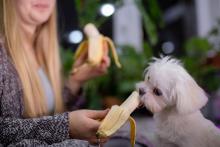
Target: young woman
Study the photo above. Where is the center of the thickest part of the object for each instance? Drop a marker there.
(32, 97)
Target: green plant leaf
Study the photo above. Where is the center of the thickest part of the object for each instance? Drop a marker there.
(147, 50)
(149, 26)
(155, 12)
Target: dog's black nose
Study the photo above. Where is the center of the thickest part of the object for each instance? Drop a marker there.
(141, 91)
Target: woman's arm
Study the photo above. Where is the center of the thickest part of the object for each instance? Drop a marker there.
(73, 101)
(72, 92)
(50, 129)
(13, 128)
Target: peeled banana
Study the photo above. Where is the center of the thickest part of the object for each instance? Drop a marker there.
(118, 115)
(94, 46)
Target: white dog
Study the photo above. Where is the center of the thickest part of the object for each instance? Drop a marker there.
(175, 100)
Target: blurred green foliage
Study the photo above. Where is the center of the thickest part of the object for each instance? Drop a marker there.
(133, 65)
(120, 82)
(88, 11)
(151, 18)
(195, 61)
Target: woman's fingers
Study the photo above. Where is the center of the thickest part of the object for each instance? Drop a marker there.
(94, 118)
(82, 58)
(97, 141)
(97, 114)
(106, 61)
(105, 48)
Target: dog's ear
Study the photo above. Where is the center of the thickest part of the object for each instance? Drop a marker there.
(189, 97)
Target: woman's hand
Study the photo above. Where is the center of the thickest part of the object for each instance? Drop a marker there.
(88, 72)
(85, 123)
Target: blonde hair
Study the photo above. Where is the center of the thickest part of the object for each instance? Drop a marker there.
(47, 54)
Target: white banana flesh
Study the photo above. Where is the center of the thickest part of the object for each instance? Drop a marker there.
(95, 44)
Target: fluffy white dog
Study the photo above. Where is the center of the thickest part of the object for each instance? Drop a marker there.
(175, 100)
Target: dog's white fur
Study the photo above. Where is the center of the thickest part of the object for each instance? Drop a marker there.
(175, 100)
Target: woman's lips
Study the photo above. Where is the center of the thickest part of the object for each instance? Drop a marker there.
(41, 6)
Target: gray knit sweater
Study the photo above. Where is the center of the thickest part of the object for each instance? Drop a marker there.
(18, 131)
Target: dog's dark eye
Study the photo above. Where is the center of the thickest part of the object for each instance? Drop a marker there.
(157, 92)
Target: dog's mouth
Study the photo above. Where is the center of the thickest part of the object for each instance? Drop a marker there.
(141, 91)
(141, 104)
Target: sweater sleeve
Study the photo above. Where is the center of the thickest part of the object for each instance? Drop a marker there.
(73, 102)
(50, 129)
